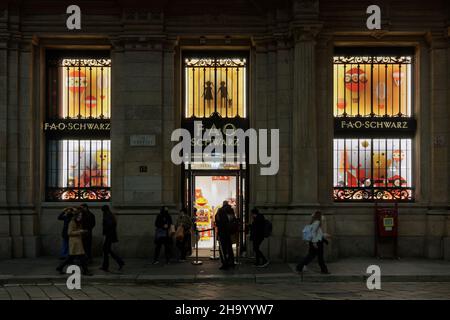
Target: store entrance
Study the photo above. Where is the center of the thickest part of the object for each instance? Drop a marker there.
(206, 191)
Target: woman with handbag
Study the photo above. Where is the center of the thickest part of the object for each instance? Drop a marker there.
(76, 250)
(183, 228)
(163, 226)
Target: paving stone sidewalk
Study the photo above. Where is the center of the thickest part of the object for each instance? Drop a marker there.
(141, 271)
(230, 291)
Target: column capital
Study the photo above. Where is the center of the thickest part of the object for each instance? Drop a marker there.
(437, 40)
(305, 32)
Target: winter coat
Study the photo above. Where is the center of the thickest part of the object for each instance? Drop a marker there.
(66, 217)
(257, 228)
(88, 220)
(110, 229)
(75, 239)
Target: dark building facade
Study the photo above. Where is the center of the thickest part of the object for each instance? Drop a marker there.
(87, 116)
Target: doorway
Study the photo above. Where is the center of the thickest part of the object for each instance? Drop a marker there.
(205, 191)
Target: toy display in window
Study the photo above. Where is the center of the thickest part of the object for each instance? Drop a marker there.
(355, 81)
(83, 91)
(204, 214)
(371, 168)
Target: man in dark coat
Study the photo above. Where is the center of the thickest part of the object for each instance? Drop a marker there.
(88, 223)
(257, 236)
(110, 233)
(224, 226)
(162, 236)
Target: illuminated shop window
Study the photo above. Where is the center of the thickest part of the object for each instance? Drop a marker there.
(78, 152)
(372, 169)
(79, 89)
(378, 86)
(374, 124)
(79, 169)
(215, 85)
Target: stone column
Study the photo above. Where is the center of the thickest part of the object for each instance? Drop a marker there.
(5, 237)
(304, 120)
(439, 123)
(283, 119)
(439, 194)
(171, 184)
(258, 115)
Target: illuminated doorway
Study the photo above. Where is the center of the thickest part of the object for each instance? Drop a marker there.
(205, 190)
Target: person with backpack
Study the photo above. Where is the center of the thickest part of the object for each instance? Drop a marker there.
(163, 225)
(257, 235)
(314, 235)
(224, 230)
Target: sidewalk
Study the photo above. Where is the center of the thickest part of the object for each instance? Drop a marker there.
(140, 271)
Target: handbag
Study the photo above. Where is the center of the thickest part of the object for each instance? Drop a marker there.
(179, 234)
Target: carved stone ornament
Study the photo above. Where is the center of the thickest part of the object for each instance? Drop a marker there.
(305, 32)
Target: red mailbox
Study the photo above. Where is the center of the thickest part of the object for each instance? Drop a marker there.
(387, 222)
(386, 226)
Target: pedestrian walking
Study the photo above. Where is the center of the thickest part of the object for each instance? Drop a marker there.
(314, 234)
(76, 250)
(65, 216)
(183, 228)
(110, 237)
(257, 233)
(224, 229)
(163, 225)
(88, 224)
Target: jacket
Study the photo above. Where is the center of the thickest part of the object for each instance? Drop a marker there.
(257, 228)
(163, 219)
(222, 220)
(317, 232)
(110, 229)
(88, 220)
(75, 239)
(63, 216)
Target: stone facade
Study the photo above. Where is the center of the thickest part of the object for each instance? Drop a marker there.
(291, 47)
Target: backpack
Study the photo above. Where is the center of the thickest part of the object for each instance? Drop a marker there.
(307, 232)
(267, 228)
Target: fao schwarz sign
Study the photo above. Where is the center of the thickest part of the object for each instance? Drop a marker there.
(77, 127)
(378, 126)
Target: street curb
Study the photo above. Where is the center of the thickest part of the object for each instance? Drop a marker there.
(6, 280)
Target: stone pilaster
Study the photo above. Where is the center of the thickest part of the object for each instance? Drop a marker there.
(304, 119)
(439, 122)
(170, 173)
(137, 110)
(258, 115)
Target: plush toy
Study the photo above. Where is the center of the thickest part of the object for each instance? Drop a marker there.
(380, 165)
